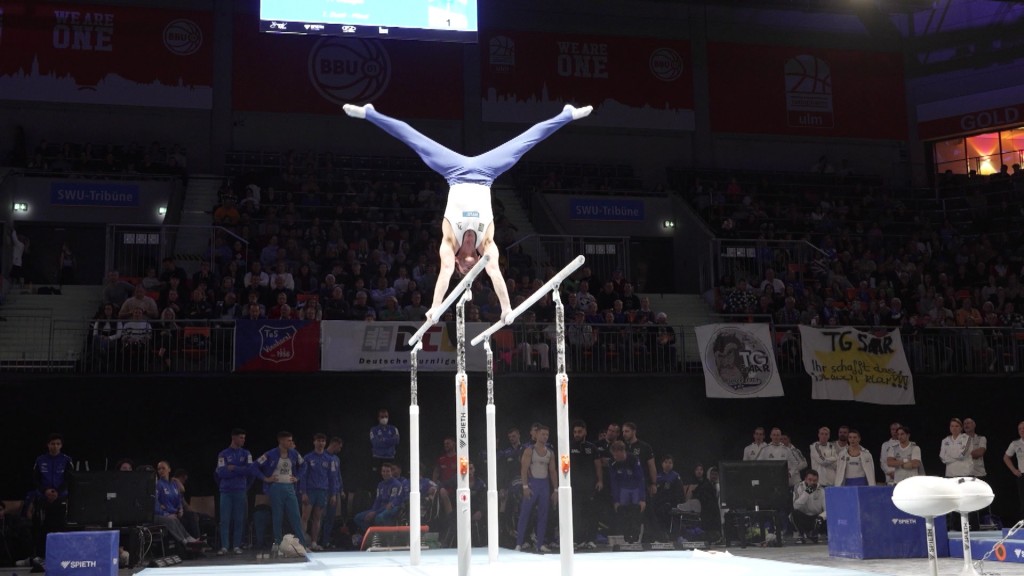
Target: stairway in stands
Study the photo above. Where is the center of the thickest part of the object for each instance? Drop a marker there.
(686, 311)
(33, 324)
(518, 217)
(193, 243)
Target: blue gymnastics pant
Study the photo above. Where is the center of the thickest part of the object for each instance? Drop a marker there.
(459, 169)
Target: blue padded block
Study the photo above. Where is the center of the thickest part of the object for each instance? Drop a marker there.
(1012, 550)
(864, 523)
(82, 553)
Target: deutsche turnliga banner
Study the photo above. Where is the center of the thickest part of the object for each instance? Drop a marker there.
(848, 364)
(738, 361)
(382, 346)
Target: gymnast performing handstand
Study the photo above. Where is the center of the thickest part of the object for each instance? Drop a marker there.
(468, 225)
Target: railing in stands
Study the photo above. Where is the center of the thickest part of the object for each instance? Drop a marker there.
(604, 254)
(169, 346)
(99, 174)
(132, 249)
(55, 346)
(750, 258)
(329, 168)
(27, 337)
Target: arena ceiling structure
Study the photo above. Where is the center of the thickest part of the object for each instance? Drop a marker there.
(937, 35)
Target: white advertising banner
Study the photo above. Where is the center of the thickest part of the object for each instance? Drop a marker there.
(738, 360)
(353, 346)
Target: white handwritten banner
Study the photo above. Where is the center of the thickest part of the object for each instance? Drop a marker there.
(738, 361)
(848, 364)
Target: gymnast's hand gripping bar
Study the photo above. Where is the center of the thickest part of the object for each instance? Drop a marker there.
(465, 284)
(549, 285)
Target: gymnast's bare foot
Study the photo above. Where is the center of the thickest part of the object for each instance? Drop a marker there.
(360, 111)
(577, 113)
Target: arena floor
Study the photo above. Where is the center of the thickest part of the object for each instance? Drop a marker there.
(754, 561)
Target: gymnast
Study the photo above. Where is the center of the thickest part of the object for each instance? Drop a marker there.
(468, 225)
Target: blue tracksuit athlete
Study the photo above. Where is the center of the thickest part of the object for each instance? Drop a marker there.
(283, 497)
(233, 470)
(389, 493)
(168, 499)
(321, 474)
(51, 472)
(626, 479)
(328, 523)
(628, 490)
(234, 475)
(384, 441)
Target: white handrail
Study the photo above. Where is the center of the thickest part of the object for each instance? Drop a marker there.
(462, 286)
(511, 317)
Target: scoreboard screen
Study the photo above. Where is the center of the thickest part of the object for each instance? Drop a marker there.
(439, 20)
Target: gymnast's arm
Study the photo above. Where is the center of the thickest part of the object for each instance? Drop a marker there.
(444, 273)
(494, 271)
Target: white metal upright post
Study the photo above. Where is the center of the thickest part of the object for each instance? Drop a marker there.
(965, 536)
(933, 554)
(414, 460)
(461, 291)
(492, 461)
(565, 530)
(562, 407)
(462, 508)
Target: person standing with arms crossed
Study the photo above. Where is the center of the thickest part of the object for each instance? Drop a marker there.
(1016, 448)
(233, 479)
(319, 486)
(384, 439)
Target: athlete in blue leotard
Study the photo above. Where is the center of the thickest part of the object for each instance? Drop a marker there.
(468, 225)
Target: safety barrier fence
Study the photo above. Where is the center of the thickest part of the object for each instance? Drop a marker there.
(36, 342)
(42, 344)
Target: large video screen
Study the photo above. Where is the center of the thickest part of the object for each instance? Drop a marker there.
(111, 498)
(442, 20)
(754, 484)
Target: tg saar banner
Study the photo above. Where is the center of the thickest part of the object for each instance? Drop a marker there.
(738, 360)
(353, 346)
(848, 364)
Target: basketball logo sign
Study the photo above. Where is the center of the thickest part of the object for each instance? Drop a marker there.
(809, 92)
(183, 37)
(502, 53)
(349, 70)
(666, 64)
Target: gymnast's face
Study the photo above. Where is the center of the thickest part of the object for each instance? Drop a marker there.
(466, 256)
